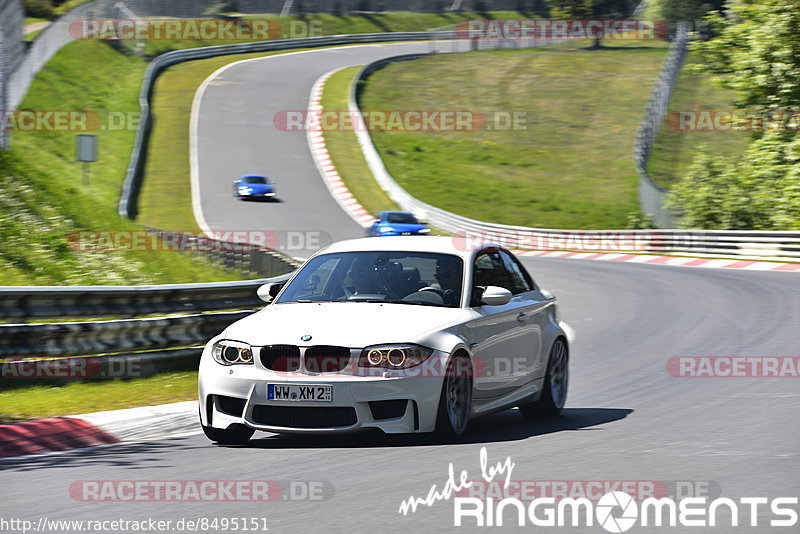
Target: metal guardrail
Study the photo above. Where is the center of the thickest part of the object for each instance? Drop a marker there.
(101, 337)
(120, 341)
(782, 246)
(24, 303)
(133, 177)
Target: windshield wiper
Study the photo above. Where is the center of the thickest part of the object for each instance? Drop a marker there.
(415, 303)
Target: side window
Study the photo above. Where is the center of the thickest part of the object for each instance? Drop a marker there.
(490, 271)
(520, 280)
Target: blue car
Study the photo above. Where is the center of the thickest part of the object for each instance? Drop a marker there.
(397, 223)
(254, 186)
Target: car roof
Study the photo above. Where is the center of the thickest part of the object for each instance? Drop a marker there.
(438, 244)
(253, 176)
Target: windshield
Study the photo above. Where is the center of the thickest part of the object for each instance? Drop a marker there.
(401, 218)
(254, 180)
(415, 278)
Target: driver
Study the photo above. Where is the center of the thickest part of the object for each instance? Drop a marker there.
(446, 289)
(448, 276)
(364, 278)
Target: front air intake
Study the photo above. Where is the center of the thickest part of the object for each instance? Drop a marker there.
(284, 358)
(326, 358)
(305, 416)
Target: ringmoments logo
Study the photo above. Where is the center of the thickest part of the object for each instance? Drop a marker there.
(615, 511)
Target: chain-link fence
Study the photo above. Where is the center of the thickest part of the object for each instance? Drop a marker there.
(12, 49)
(651, 195)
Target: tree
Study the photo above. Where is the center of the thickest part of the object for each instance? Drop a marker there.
(756, 52)
(592, 9)
(688, 10)
(760, 191)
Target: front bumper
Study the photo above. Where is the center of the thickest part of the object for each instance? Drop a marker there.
(392, 404)
(256, 195)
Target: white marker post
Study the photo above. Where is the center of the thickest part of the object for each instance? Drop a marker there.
(87, 153)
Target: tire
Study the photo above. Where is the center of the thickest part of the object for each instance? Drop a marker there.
(455, 401)
(233, 435)
(556, 383)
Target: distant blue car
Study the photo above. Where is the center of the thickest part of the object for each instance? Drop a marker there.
(397, 223)
(254, 186)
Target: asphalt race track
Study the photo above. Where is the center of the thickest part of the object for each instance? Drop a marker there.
(236, 135)
(627, 418)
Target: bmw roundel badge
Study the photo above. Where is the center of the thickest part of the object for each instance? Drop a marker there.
(305, 337)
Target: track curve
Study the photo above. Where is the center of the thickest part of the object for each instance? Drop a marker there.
(626, 417)
(234, 134)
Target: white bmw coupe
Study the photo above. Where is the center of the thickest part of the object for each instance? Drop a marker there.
(402, 334)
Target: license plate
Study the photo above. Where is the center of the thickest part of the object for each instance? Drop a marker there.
(299, 393)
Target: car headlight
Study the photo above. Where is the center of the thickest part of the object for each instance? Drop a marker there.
(400, 356)
(245, 190)
(228, 352)
(424, 231)
(387, 229)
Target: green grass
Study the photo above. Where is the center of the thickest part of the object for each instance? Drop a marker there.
(165, 200)
(345, 151)
(572, 166)
(42, 199)
(38, 402)
(673, 151)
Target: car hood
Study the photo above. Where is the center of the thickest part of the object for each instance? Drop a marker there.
(399, 227)
(347, 324)
(258, 188)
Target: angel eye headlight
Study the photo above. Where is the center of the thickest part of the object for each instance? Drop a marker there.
(375, 357)
(228, 352)
(398, 356)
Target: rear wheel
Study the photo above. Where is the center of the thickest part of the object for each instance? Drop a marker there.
(455, 402)
(233, 435)
(556, 382)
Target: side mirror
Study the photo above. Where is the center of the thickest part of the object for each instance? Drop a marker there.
(496, 296)
(267, 292)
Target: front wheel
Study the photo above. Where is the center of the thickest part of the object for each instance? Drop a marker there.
(455, 402)
(556, 381)
(233, 435)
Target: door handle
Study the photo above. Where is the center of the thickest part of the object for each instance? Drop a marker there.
(523, 318)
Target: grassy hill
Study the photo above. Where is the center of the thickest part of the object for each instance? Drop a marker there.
(569, 166)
